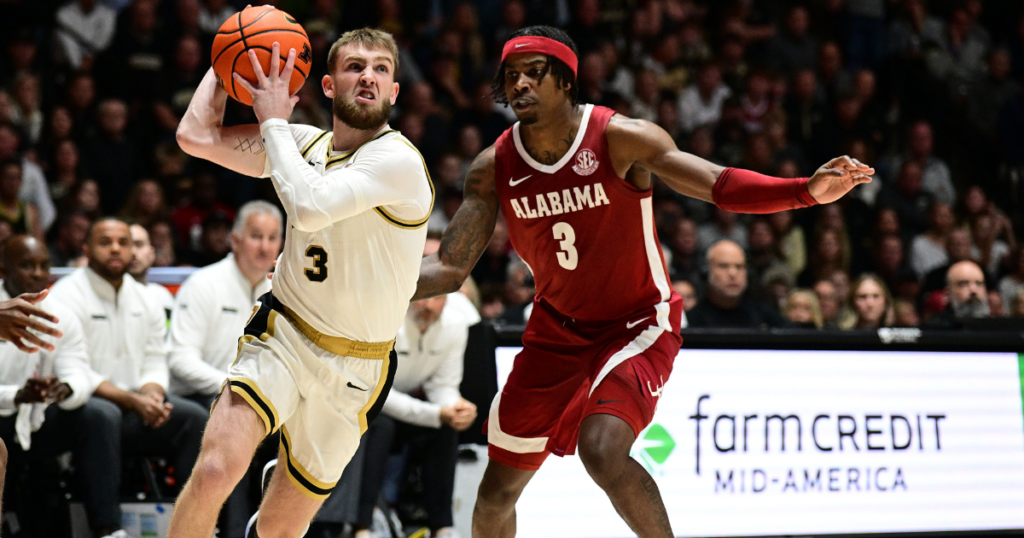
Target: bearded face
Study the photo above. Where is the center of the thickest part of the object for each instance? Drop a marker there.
(359, 116)
(975, 307)
(362, 86)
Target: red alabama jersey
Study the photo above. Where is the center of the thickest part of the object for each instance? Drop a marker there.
(587, 234)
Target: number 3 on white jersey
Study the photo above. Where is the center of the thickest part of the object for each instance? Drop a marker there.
(566, 236)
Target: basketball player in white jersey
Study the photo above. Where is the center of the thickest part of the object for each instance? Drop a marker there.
(316, 360)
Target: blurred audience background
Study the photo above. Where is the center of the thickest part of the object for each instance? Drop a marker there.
(929, 92)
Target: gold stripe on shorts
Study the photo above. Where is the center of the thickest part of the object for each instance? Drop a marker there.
(257, 400)
(298, 474)
(246, 338)
(363, 424)
(271, 320)
(338, 344)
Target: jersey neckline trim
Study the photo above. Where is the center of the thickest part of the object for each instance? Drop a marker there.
(338, 157)
(333, 155)
(552, 168)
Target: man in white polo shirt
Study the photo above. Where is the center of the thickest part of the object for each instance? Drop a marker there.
(214, 303)
(30, 381)
(124, 333)
(17, 316)
(424, 405)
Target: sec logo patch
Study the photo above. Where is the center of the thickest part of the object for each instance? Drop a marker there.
(586, 163)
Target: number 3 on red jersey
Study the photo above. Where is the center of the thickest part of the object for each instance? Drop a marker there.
(566, 237)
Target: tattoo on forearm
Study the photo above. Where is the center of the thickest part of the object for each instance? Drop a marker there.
(463, 243)
(657, 504)
(252, 146)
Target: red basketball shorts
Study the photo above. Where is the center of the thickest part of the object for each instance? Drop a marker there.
(569, 370)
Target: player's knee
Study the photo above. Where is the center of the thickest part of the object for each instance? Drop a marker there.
(495, 495)
(602, 455)
(218, 471)
(594, 454)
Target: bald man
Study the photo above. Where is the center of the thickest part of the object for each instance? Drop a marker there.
(30, 381)
(967, 294)
(17, 315)
(958, 249)
(727, 303)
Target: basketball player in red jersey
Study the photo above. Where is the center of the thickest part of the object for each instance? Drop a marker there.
(574, 184)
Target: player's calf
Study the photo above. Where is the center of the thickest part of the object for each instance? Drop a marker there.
(495, 512)
(604, 444)
(286, 510)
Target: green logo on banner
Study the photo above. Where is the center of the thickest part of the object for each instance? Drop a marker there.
(653, 447)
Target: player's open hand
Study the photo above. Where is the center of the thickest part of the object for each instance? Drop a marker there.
(837, 177)
(20, 314)
(270, 97)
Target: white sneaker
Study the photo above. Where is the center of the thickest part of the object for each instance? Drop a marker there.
(397, 527)
(120, 533)
(268, 472)
(379, 526)
(252, 522)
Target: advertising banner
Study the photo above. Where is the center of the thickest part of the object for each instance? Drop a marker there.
(813, 442)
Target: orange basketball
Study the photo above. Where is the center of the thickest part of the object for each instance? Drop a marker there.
(258, 28)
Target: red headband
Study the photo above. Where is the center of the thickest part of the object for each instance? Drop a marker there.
(543, 45)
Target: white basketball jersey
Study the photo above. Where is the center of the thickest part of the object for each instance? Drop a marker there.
(355, 277)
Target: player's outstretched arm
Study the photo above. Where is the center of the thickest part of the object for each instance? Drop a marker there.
(202, 134)
(638, 142)
(19, 314)
(467, 234)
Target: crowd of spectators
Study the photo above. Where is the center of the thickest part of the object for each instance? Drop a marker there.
(929, 92)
